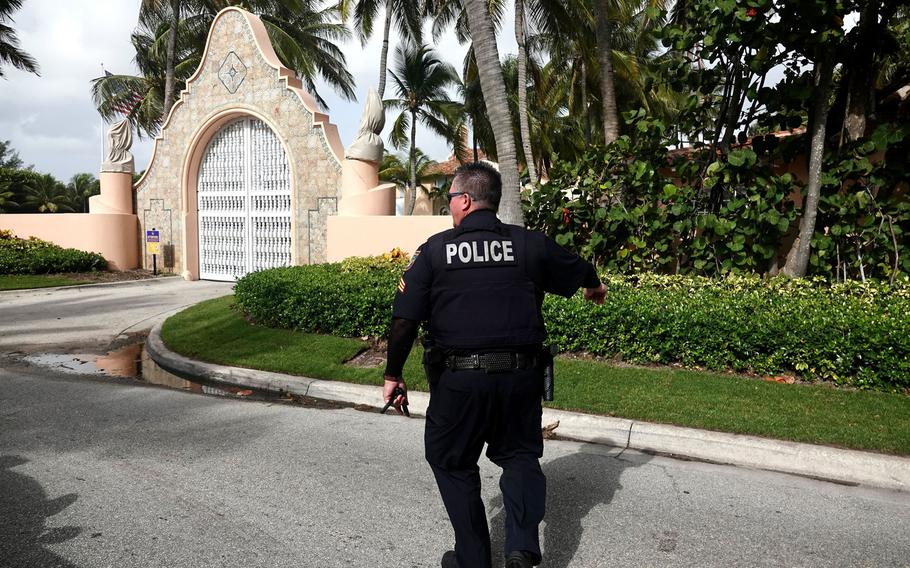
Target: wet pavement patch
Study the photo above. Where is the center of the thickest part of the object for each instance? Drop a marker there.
(133, 362)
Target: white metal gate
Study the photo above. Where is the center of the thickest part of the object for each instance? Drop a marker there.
(244, 202)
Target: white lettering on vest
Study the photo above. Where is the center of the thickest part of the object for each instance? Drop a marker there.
(451, 251)
(507, 251)
(496, 251)
(479, 252)
(464, 252)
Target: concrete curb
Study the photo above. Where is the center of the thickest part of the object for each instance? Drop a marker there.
(154, 280)
(849, 467)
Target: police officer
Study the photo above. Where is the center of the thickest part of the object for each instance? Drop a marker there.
(480, 287)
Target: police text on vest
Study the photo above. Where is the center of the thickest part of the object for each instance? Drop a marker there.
(480, 252)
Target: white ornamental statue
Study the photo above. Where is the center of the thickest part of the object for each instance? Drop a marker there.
(368, 145)
(119, 141)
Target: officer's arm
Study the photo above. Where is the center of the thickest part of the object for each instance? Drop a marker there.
(401, 338)
(565, 272)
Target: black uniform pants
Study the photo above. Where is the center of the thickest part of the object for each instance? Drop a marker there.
(467, 409)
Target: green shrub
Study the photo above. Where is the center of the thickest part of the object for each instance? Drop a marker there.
(853, 334)
(351, 299)
(34, 256)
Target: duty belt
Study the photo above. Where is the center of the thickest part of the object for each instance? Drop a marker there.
(491, 362)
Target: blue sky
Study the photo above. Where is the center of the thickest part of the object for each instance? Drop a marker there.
(52, 122)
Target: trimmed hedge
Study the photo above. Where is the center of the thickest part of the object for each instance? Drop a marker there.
(34, 256)
(852, 334)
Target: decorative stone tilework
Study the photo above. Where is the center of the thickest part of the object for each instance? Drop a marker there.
(232, 72)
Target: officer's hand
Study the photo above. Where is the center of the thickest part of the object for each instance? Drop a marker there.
(389, 388)
(596, 295)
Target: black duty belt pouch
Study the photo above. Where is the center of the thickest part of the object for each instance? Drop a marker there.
(499, 362)
(434, 361)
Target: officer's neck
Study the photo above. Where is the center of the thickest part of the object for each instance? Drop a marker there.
(482, 214)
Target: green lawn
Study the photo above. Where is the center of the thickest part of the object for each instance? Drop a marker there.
(21, 281)
(817, 414)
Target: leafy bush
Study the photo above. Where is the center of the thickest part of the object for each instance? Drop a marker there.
(853, 334)
(34, 256)
(635, 207)
(351, 299)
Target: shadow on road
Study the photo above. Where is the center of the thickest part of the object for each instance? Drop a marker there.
(576, 484)
(24, 508)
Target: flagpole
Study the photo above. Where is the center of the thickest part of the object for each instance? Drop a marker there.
(102, 123)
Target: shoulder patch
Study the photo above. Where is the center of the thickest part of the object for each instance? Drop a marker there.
(413, 259)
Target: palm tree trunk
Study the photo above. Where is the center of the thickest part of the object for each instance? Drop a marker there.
(584, 101)
(523, 89)
(385, 50)
(798, 258)
(607, 89)
(489, 68)
(171, 56)
(860, 71)
(412, 159)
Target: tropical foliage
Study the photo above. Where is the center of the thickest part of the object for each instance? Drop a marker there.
(420, 80)
(170, 40)
(23, 190)
(10, 52)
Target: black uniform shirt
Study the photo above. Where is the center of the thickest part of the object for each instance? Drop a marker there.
(480, 286)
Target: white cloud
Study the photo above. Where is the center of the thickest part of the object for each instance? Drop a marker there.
(51, 120)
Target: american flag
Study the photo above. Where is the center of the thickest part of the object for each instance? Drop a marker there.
(127, 101)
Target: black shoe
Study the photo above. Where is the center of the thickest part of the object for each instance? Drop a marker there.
(449, 560)
(520, 559)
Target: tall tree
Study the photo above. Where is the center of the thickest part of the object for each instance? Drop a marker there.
(520, 35)
(6, 196)
(405, 15)
(10, 53)
(607, 79)
(47, 195)
(9, 158)
(140, 98)
(152, 12)
(480, 25)
(420, 80)
(81, 187)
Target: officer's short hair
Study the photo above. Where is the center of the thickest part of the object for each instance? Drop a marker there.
(482, 182)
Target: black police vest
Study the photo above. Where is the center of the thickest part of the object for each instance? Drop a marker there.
(483, 295)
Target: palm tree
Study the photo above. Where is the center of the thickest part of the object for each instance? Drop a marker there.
(607, 88)
(475, 110)
(154, 12)
(421, 79)
(9, 44)
(305, 36)
(140, 98)
(480, 25)
(405, 14)
(6, 196)
(549, 17)
(395, 168)
(81, 187)
(47, 195)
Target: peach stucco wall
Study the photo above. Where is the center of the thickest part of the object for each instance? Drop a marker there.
(115, 237)
(369, 236)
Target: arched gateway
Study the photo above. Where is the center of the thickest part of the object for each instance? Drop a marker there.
(246, 170)
(244, 201)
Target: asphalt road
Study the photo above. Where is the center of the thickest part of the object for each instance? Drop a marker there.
(113, 472)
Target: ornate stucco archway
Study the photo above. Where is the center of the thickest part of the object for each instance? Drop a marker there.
(240, 76)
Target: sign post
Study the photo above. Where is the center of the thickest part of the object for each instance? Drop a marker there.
(153, 247)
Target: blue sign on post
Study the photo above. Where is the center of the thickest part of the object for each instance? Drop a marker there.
(153, 247)
(152, 242)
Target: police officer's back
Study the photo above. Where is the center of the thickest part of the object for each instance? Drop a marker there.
(479, 288)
